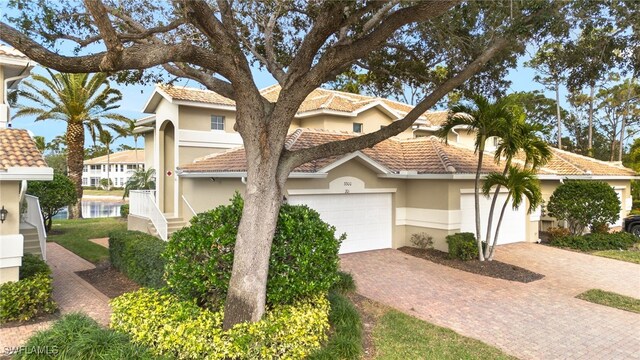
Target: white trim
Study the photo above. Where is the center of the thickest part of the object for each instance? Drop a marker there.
(389, 111)
(335, 192)
(413, 175)
(311, 113)
(472, 191)
(209, 138)
(157, 92)
(27, 173)
(11, 250)
(428, 218)
(205, 105)
(240, 174)
(13, 61)
(369, 162)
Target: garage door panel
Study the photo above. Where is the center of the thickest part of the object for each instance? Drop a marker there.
(365, 218)
(513, 227)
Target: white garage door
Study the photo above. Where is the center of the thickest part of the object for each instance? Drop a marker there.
(513, 227)
(365, 218)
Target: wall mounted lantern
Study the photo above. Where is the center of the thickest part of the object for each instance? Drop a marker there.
(3, 214)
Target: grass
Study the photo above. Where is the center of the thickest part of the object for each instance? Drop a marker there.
(400, 336)
(611, 299)
(76, 336)
(116, 192)
(345, 341)
(623, 255)
(74, 235)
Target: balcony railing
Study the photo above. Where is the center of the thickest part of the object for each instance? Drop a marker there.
(33, 216)
(142, 203)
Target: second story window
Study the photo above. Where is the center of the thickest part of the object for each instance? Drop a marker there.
(217, 122)
(357, 127)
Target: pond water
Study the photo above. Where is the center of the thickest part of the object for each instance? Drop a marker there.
(94, 209)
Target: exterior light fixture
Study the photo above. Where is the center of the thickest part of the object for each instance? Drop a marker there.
(3, 214)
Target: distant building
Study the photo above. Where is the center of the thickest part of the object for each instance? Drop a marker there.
(122, 165)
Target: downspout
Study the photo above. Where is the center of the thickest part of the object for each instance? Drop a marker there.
(23, 192)
(244, 180)
(6, 88)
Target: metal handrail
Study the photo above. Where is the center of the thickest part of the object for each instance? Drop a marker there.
(189, 205)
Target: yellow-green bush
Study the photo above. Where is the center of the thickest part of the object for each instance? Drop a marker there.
(27, 298)
(170, 326)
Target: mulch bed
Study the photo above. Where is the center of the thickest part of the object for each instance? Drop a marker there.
(36, 320)
(108, 280)
(494, 269)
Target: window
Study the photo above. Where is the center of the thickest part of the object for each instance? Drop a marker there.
(84, 181)
(357, 127)
(217, 122)
(121, 181)
(131, 167)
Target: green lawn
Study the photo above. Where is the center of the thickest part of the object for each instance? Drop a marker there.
(611, 299)
(624, 255)
(117, 192)
(400, 336)
(75, 234)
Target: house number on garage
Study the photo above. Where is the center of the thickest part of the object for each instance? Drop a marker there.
(347, 184)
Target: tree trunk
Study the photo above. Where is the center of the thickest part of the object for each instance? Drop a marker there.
(246, 296)
(493, 206)
(476, 187)
(624, 120)
(75, 161)
(48, 224)
(495, 236)
(108, 170)
(558, 116)
(590, 144)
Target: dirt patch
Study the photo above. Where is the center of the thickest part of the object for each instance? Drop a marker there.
(36, 320)
(108, 280)
(370, 312)
(494, 269)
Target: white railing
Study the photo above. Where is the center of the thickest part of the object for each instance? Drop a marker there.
(33, 216)
(142, 203)
(189, 205)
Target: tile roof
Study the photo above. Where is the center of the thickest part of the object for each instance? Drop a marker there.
(122, 157)
(426, 155)
(11, 52)
(17, 149)
(318, 99)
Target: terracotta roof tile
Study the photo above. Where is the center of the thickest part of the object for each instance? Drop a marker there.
(318, 99)
(17, 149)
(122, 157)
(427, 155)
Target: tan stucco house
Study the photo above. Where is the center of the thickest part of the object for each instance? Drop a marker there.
(379, 196)
(21, 227)
(118, 166)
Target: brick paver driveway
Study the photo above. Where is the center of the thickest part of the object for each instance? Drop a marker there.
(539, 320)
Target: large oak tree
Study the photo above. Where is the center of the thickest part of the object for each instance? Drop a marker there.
(302, 44)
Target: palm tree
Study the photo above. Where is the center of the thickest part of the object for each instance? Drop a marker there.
(140, 180)
(519, 183)
(518, 137)
(129, 129)
(485, 119)
(41, 143)
(82, 101)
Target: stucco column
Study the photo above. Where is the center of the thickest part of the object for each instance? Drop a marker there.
(11, 241)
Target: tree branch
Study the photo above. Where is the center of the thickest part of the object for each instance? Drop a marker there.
(108, 34)
(207, 79)
(293, 159)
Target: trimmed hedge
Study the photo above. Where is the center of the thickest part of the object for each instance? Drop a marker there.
(304, 256)
(596, 241)
(77, 336)
(462, 246)
(181, 329)
(29, 297)
(124, 210)
(33, 265)
(138, 256)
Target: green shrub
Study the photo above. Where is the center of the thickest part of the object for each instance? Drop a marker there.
(557, 232)
(596, 241)
(304, 255)
(124, 210)
(33, 265)
(345, 342)
(53, 195)
(345, 283)
(462, 246)
(27, 298)
(76, 336)
(181, 329)
(584, 203)
(422, 240)
(138, 256)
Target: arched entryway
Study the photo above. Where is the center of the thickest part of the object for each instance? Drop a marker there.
(166, 174)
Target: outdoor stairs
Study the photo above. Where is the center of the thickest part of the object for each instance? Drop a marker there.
(31, 240)
(173, 224)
